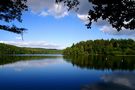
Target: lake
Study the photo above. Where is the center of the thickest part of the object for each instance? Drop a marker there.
(58, 72)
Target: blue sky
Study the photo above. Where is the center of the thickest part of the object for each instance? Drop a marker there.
(50, 26)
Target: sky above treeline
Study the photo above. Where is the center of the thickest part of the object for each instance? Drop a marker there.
(51, 25)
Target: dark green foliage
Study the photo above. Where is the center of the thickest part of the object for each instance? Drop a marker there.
(102, 47)
(116, 12)
(11, 10)
(103, 62)
(10, 49)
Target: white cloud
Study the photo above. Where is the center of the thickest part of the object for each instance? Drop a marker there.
(58, 10)
(84, 6)
(38, 6)
(48, 7)
(43, 13)
(33, 44)
(112, 31)
(83, 17)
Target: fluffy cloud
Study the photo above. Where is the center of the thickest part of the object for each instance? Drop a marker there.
(83, 17)
(84, 7)
(33, 44)
(112, 31)
(58, 10)
(38, 6)
(43, 13)
(48, 7)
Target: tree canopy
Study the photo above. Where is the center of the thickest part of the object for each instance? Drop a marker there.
(102, 47)
(119, 13)
(11, 10)
(10, 49)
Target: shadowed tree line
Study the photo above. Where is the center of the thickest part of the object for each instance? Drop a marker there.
(102, 47)
(10, 49)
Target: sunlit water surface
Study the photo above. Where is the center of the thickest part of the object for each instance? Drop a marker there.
(56, 72)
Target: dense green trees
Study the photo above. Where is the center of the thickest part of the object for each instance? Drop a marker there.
(11, 10)
(10, 49)
(102, 47)
(119, 13)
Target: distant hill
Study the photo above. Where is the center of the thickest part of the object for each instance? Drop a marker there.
(10, 49)
(102, 47)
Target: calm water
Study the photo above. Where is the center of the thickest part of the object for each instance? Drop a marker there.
(57, 72)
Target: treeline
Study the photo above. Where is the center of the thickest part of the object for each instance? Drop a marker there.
(102, 47)
(10, 49)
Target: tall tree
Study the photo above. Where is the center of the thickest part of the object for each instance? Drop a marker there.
(119, 13)
(11, 10)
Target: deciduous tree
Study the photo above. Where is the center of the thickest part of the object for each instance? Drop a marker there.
(119, 13)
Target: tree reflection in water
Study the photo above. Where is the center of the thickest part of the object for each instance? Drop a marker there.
(121, 78)
(103, 62)
(12, 59)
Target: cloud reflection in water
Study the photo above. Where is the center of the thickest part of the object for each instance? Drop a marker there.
(19, 66)
(114, 81)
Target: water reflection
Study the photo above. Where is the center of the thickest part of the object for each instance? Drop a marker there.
(21, 62)
(103, 62)
(19, 66)
(26, 57)
(122, 76)
(24, 72)
(114, 81)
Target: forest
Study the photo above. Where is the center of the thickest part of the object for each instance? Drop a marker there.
(102, 47)
(10, 49)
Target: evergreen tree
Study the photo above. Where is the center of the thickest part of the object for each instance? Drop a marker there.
(11, 10)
